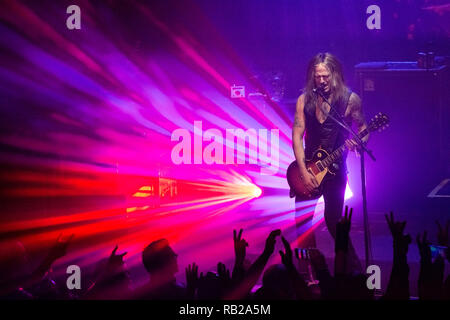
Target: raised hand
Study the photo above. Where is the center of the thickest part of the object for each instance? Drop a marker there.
(286, 256)
(59, 249)
(396, 227)
(302, 291)
(343, 230)
(424, 248)
(431, 273)
(192, 278)
(224, 276)
(116, 258)
(270, 242)
(223, 272)
(346, 220)
(248, 279)
(398, 286)
(114, 266)
(115, 262)
(240, 246)
(401, 241)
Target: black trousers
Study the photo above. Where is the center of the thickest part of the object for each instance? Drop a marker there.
(333, 195)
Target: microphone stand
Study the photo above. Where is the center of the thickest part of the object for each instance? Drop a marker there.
(341, 122)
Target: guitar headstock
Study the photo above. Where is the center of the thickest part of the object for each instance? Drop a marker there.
(379, 122)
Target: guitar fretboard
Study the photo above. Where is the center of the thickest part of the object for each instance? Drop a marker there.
(336, 154)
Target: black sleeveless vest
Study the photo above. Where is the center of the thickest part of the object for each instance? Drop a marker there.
(328, 135)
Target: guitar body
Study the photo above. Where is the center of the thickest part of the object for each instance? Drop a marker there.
(315, 167)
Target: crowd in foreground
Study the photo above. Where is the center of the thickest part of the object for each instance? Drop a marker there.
(279, 281)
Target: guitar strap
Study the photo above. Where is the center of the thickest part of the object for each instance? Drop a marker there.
(341, 108)
(341, 111)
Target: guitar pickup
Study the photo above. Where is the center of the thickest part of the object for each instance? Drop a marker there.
(320, 165)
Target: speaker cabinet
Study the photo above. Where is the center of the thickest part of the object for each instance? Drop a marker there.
(412, 154)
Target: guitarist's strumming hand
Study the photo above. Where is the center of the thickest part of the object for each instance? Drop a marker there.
(309, 180)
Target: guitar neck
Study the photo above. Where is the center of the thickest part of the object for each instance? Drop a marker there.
(336, 154)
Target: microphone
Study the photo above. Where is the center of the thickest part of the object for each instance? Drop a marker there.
(319, 89)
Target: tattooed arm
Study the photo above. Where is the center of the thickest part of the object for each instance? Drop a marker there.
(354, 109)
(298, 131)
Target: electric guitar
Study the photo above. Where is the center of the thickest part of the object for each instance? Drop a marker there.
(321, 161)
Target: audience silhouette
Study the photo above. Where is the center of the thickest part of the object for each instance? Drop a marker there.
(281, 281)
(161, 264)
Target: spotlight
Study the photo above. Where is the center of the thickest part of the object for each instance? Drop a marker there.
(256, 191)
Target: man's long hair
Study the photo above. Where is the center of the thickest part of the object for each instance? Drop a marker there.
(338, 88)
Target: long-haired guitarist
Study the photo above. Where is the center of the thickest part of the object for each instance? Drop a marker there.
(320, 132)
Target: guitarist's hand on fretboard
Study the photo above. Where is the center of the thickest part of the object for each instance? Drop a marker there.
(351, 144)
